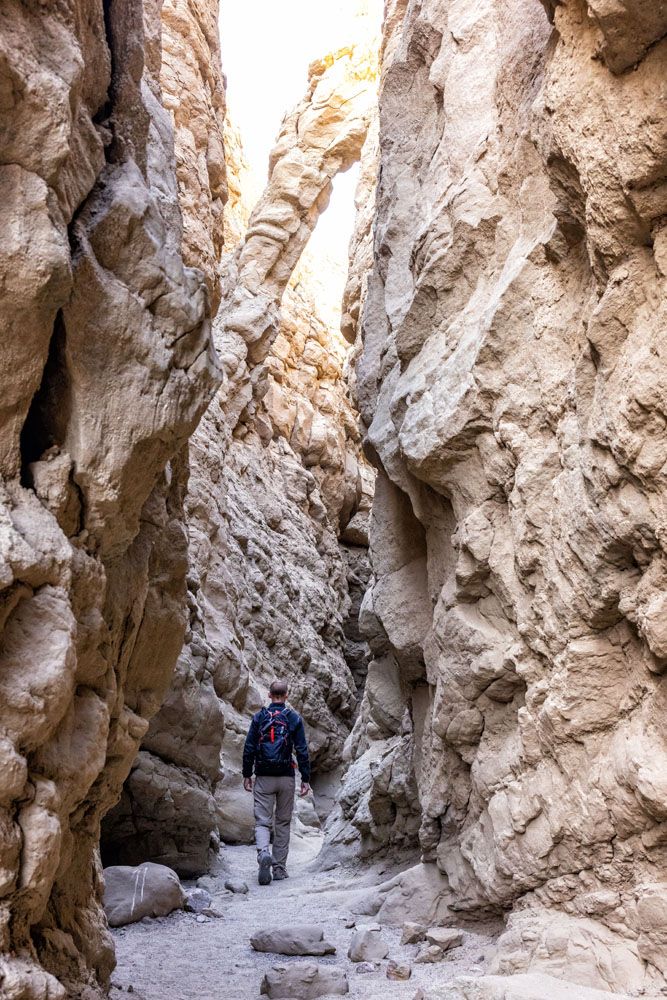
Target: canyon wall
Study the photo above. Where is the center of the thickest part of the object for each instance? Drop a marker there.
(277, 503)
(107, 366)
(512, 384)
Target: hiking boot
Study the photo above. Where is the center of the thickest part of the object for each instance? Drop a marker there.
(265, 861)
(279, 873)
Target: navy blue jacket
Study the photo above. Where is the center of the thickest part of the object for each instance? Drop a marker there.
(298, 736)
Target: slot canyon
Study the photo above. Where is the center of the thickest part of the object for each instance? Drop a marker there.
(422, 479)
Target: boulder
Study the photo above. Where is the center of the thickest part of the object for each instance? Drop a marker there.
(300, 939)
(368, 945)
(149, 890)
(420, 894)
(304, 981)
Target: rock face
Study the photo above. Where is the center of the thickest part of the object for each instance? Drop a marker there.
(166, 800)
(512, 383)
(525, 987)
(193, 91)
(321, 137)
(276, 477)
(107, 365)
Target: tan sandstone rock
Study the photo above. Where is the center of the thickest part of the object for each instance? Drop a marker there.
(531, 987)
(275, 477)
(107, 366)
(149, 890)
(304, 981)
(511, 378)
(299, 939)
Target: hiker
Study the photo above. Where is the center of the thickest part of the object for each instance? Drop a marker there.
(274, 733)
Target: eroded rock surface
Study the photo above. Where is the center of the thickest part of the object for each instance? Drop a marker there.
(277, 506)
(512, 383)
(525, 987)
(107, 365)
(193, 91)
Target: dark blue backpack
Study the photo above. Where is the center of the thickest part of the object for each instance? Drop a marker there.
(275, 739)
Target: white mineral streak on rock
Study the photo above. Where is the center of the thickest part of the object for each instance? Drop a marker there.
(512, 382)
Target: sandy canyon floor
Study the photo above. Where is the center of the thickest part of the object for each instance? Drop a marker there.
(181, 958)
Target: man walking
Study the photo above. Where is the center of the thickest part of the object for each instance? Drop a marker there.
(275, 732)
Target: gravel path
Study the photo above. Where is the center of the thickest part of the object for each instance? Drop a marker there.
(179, 958)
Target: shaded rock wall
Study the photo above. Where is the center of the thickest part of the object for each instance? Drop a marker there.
(166, 802)
(193, 91)
(512, 383)
(276, 476)
(107, 366)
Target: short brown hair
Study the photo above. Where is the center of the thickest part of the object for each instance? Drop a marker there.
(279, 689)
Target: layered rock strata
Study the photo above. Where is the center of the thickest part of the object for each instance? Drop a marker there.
(512, 383)
(276, 479)
(107, 366)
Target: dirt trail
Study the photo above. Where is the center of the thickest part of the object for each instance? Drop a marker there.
(178, 958)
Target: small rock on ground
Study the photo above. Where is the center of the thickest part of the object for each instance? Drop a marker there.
(208, 882)
(368, 945)
(429, 953)
(398, 970)
(304, 981)
(413, 933)
(198, 900)
(444, 937)
(300, 939)
(236, 885)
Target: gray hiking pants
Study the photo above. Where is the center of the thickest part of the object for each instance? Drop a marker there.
(274, 794)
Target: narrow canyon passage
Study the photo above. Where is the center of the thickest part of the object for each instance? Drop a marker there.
(372, 399)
